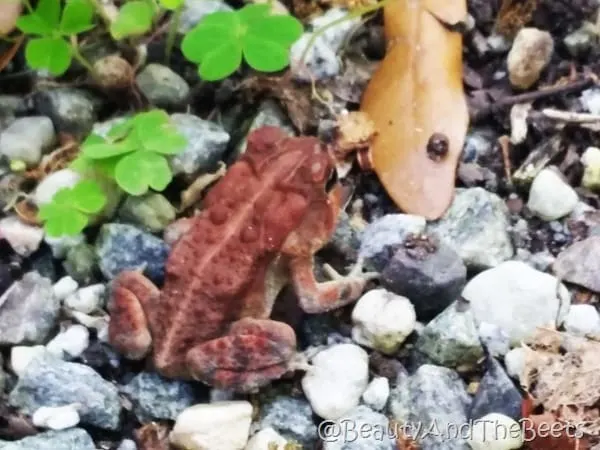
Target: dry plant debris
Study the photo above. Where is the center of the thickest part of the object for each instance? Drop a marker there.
(416, 100)
(514, 15)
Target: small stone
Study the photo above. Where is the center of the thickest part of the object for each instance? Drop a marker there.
(291, 417)
(22, 355)
(50, 381)
(207, 143)
(155, 397)
(591, 173)
(151, 211)
(530, 54)
(583, 320)
(580, 41)
(64, 287)
(496, 393)
(496, 432)
(23, 238)
(81, 263)
(194, 10)
(590, 99)
(114, 72)
(27, 138)
(579, 264)
(61, 245)
(56, 417)
(428, 272)
(382, 320)
(494, 339)
(73, 438)
(163, 87)
(377, 393)
(70, 343)
(381, 237)
(476, 226)
(266, 438)
(127, 444)
(451, 339)
(215, 426)
(88, 299)
(338, 378)
(28, 311)
(124, 247)
(514, 361)
(52, 183)
(550, 197)
(517, 298)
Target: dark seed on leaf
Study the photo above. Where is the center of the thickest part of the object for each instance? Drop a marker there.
(437, 146)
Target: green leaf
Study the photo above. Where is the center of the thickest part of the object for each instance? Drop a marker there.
(134, 19)
(49, 11)
(52, 54)
(88, 197)
(148, 120)
(165, 141)
(221, 62)
(34, 25)
(252, 12)
(139, 171)
(204, 39)
(265, 56)
(108, 149)
(61, 221)
(77, 17)
(280, 29)
(120, 130)
(171, 4)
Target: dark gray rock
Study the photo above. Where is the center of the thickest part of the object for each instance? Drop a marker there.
(49, 381)
(81, 263)
(292, 418)
(28, 311)
(124, 247)
(152, 211)
(580, 264)
(496, 394)
(155, 397)
(428, 272)
(71, 439)
(162, 86)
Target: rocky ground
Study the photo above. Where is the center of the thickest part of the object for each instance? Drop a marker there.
(447, 336)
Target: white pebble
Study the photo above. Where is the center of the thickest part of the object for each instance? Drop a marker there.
(21, 356)
(336, 381)
(591, 172)
(56, 417)
(382, 320)
(65, 287)
(583, 320)
(529, 55)
(496, 432)
(265, 439)
(514, 361)
(215, 426)
(54, 182)
(26, 138)
(377, 393)
(551, 197)
(23, 238)
(87, 299)
(70, 343)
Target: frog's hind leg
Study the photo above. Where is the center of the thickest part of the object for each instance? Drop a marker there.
(252, 354)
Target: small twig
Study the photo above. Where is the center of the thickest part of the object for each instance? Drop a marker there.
(504, 142)
(533, 96)
(570, 116)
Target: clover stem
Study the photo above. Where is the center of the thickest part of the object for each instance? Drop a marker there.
(81, 59)
(173, 31)
(351, 15)
(27, 4)
(101, 12)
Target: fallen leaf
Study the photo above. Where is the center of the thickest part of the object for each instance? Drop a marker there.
(514, 15)
(10, 53)
(416, 100)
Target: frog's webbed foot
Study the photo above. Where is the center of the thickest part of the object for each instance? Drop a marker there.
(252, 354)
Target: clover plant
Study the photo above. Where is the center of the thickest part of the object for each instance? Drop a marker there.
(222, 39)
(70, 209)
(135, 18)
(51, 49)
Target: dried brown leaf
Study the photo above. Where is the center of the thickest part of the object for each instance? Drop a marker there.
(416, 100)
(514, 15)
(9, 54)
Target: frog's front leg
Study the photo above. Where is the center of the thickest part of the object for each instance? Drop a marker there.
(130, 314)
(253, 353)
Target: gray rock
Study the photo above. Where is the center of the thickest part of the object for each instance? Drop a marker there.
(517, 298)
(49, 381)
(451, 338)
(579, 263)
(431, 405)
(155, 397)
(580, 41)
(81, 263)
(496, 394)
(428, 272)
(290, 417)
(377, 393)
(151, 211)
(590, 99)
(73, 111)
(583, 320)
(127, 444)
(124, 247)
(207, 142)
(479, 145)
(24, 239)
(384, 235)
(194, 10)
(71, 439)
(476, 227)
(28, 311)
(163, 87)
(494, 339)
(346, 238)
(27, 138)
(10, 105)
(363, 429)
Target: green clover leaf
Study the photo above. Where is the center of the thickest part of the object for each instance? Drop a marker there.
(137, 172)
(52, 54)
(134, 19)
(76, 17)
(171, 4)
